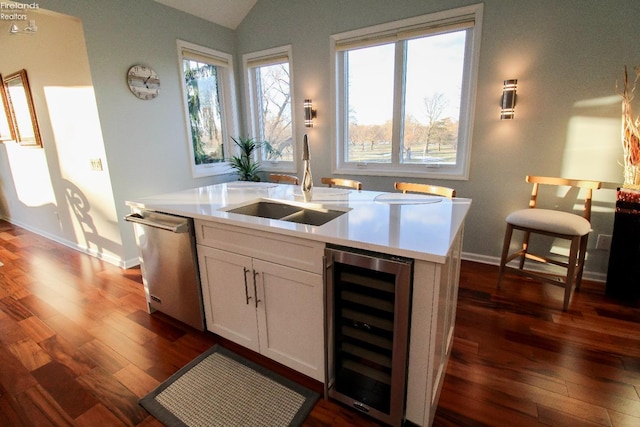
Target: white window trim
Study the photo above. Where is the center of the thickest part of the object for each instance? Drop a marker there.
(386, 32)
(250, 60)
(230, 126)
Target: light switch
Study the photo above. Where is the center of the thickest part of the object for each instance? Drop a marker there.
(96, 164)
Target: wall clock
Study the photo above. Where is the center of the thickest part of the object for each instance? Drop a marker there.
(143, 82)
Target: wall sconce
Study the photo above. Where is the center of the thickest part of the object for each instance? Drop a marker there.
(508, 99)
(309, 113)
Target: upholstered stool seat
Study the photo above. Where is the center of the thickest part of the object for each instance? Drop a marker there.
(551, 221)
(557, 224)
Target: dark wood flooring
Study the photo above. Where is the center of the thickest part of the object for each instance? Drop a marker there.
(77, 348)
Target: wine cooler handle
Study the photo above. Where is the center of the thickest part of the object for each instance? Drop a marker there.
(360, 406)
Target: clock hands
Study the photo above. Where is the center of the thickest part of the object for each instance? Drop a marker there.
(143, 82)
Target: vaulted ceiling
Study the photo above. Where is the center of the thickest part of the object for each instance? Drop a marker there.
(228, 13)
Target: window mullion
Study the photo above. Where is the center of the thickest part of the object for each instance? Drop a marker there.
(398, 101)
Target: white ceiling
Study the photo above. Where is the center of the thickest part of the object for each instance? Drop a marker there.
(228, 13)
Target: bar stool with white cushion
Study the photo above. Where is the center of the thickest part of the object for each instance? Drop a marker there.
(555, 223)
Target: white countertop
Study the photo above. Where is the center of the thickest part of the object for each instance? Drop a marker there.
(410, 225)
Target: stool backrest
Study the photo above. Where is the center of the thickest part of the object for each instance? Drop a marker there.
(341, 182)
(579, 183)
(425, 188)
(290, 179)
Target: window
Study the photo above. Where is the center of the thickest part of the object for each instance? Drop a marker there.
(208, 88)
(269, 94)
(405, 93)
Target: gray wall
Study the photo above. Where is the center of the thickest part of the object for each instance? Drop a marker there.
(145, 142)
(566, 55)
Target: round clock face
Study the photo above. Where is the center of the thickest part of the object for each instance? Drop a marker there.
(143, 82)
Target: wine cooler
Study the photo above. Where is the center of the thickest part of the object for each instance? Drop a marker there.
(367, 310)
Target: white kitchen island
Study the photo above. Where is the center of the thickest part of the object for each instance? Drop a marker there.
(281, 313)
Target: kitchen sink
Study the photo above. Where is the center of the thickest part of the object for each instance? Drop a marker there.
(313, 217)
(288, 212)
(264, 209)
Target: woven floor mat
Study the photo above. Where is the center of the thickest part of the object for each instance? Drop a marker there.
(220, 388)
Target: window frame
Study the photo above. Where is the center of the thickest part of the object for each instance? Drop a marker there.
(434, 23)
(250, 62)
(228, 102)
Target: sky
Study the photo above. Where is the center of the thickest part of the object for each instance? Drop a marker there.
(434, 66)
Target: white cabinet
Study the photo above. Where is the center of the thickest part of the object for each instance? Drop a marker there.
(252, 298)
(435, 295)
(228, 295)
(265, 291)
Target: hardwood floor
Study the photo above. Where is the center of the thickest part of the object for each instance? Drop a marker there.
(78, 348)
(518, 360)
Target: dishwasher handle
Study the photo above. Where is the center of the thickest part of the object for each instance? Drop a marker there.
(182, 227)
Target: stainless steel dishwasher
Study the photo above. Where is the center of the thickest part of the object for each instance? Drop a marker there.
(169, 265)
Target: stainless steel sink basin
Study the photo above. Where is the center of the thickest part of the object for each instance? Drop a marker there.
(264, 209)
(288, 212)
(313, 217)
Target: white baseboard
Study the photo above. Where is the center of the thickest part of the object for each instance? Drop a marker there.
(73, 245)
(131, 263)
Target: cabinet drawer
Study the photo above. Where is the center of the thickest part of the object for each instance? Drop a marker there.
(285, 250)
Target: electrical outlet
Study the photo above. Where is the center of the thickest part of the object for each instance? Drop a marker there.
(603, 242)
(96, 164)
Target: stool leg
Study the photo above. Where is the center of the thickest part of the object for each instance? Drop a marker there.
(581, 257)
(571, 270)
(525, 248)
(505, 252)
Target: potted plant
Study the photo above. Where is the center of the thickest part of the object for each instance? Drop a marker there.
(244, 163)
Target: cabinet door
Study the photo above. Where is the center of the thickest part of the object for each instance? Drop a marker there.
(228, 295)
(290, 317)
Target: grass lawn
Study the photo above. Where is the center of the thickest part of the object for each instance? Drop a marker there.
(381, 153)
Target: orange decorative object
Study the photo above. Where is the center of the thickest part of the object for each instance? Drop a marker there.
(630, 134)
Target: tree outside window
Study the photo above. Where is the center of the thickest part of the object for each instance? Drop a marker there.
(203, 104)
(211, 115)
(275, 111)
(270, 106)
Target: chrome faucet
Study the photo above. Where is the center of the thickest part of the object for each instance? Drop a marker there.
(307, 181)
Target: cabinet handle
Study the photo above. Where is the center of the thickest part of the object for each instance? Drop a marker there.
(246, 287)
(255, 287)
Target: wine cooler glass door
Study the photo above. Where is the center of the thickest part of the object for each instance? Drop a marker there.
(368, 304)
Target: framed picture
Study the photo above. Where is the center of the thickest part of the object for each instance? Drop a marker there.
(22, 114)
(7, 132)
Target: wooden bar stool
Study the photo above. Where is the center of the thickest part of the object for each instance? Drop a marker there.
(286, 179)
(555, 223)
(340, 182)
(425, 188)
